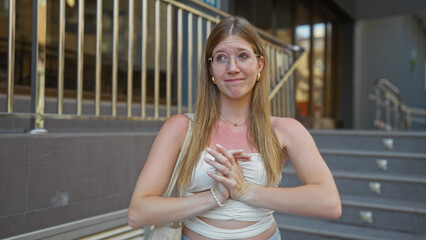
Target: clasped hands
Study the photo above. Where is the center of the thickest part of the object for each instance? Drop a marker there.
(230, 182)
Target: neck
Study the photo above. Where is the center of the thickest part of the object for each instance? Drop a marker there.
(235, 110)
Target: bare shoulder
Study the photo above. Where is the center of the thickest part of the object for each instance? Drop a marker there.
(289, 130)
(177, 121)
(176, 127)
(286, 126)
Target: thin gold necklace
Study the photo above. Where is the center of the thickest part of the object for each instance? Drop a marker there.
(235, 124)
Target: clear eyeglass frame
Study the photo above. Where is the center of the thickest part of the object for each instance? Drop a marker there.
(240, 58)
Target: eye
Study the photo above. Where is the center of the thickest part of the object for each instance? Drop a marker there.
(243, 56)
(221, 58)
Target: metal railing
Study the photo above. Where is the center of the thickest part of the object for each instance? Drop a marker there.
(111, 225)
(391, 112)
(180, 31)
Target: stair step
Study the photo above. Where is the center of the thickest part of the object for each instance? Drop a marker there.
(416, 179)
(383, 185)
(290, 226)
(420, 179)
(412, 142)
(384, 204)
(384, 214)
(399, 203)
(381, 177)
(364, 153)
(383, 219)
(399, 208)
(373, 161)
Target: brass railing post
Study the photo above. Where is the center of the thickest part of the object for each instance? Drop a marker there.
(183, 50)
(11, 56)
(80, 57)
(61, 59)
(38, 62)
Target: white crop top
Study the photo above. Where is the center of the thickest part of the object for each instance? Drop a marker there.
(254, 172)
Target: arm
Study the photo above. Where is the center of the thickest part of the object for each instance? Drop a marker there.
(147, 205)
(317, 197)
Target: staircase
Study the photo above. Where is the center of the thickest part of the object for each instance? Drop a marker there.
(381, 177)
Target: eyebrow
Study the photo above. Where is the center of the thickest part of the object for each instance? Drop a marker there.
(238, 49)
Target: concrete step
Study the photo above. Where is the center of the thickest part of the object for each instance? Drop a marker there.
(399, 206)
(381, 177)
(87, 122)
(378, 185)
(295, 227)
(411, 142)
(384, 214)
(375, 161)
(392, 186)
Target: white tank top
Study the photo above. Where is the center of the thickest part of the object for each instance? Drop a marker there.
(254, 172)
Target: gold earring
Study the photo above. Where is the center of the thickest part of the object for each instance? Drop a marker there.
(214, 81)
(258, 77)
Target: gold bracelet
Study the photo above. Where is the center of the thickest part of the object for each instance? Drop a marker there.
(215, 198)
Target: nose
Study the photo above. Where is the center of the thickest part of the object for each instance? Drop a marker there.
(233, 65)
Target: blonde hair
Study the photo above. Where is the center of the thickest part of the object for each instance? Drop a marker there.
(260, 132)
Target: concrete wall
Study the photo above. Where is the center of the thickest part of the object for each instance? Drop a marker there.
(51, 179)
(384, 48)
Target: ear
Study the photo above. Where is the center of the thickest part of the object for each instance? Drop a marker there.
(260, 64)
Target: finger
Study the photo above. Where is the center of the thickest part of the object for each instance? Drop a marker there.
(236, 151)
(242, 160)
(244, 157)
(218, 166)
(219, 157)
(226, 153)
(221, 179)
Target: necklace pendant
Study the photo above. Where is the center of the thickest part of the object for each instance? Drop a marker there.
(234, 124)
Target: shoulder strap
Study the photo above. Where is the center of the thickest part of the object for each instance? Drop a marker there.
(176, 170)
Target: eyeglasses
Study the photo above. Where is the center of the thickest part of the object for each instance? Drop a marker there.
(244, 58)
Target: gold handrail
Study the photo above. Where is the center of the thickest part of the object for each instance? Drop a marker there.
(287, 75)
(199, 18)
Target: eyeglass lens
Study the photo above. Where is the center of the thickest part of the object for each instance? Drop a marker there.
(242, 58)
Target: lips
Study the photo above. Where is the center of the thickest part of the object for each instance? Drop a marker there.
(234, 80)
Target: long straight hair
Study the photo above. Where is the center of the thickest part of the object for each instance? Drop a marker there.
(260, 133)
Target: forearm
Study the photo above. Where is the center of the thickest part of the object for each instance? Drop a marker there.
(154, 210)
(307, 200)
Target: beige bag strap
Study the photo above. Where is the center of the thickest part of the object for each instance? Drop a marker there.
(177, 168)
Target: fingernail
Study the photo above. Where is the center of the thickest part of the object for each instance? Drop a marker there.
(218, 145)
(209, 149)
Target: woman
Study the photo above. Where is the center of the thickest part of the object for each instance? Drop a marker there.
(230, 173)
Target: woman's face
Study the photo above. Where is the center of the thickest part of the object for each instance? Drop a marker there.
(235, 66)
